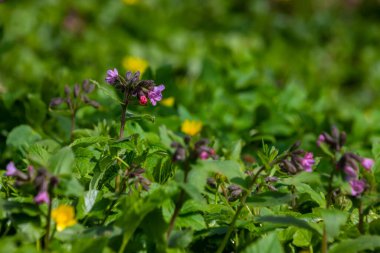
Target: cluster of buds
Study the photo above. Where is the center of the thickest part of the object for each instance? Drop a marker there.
(41, 179)
(297, 161)
(269, 183)
(132, 85)
(234, 192)
(79, 93)
(335, 141)
(348, 164)
(200, 150)
(135, 176)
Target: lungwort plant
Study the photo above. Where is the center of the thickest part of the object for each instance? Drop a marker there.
(129, 187)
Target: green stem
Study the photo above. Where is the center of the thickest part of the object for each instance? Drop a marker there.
(361, 218)
(324, 240)
(48, 224)
(124, 107)
(179, 203)
(237, 213)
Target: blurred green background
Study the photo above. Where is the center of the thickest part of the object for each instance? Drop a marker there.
(277, 70)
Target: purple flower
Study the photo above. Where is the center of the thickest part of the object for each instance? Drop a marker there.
(155, 94)
(350, 172)
(112, 76)
(11, 170)
(42, 197)
(321, 139)
(307, 162)
(357, 187)
(367, 163)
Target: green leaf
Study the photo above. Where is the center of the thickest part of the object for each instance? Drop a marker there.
(94, 245)
(364, 242)
(35, 110)
(22, 137)
(135, 209)
(180, 239)
(193, 221)
(333, 220)
(269, 199)
(39, 155)
(87, 141)
(317, 197)
(230, 169)
(302, 238)
(287, 220)
(62, 162)
(89, 200)
(236, 151)
(267, 244)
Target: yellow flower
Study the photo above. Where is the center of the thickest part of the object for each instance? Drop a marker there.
(191, 127)
(169, 102)
(131, 2)
(63, 216)
(134, 64)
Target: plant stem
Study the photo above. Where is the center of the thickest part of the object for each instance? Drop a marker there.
(179, 203)
(330, 189)
(240, 207)
(72, 125)
(48, 223)
(361, 218)
(324, 240)
(121, 134)
(123, 114)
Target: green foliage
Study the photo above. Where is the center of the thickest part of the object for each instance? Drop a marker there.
(258, 75)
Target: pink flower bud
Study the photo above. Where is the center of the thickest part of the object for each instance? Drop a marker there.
(367, 163)
(321, 139)
(11, 170)
(42, 197)
(143, 100)
(203, 155)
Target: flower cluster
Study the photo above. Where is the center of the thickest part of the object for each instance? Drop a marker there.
(200, 150)
(41, 179)
(297, 161)
(335, 141)
(132, 85)
(78, 94)
(134, 175)
(348, 164)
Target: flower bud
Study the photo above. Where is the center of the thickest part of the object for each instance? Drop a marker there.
(143, 100)
(76, 90)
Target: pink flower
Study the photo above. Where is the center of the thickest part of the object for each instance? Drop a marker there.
(307, 162)
(367, 163)
(42, 197)
(11, 170)
(321, 139)
(203, 155)
(357, 187)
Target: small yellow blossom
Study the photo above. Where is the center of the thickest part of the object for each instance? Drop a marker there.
(132, 63)
(63, 216)
(191, 127)
(131, 2)
(169, 102)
